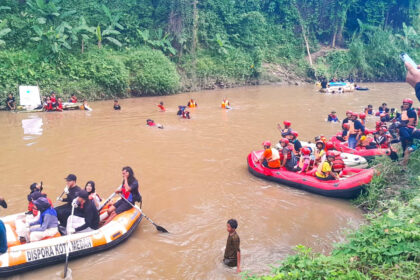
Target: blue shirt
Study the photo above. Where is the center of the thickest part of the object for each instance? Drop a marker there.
(3, 238)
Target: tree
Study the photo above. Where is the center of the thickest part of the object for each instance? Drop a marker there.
(107, 35)
(161, 42)
(82, 32)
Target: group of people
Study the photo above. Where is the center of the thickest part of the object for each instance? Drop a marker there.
(53, 103)
(80, 213)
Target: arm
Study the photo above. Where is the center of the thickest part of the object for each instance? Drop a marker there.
(283, 163)
(238, 256)
(37, 222)
(48, 220)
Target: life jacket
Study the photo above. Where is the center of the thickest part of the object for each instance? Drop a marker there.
(338, 165)
(53, 99)
(51, 211)
(352, 130)
(192, 104)
(319, 169)
(48, 106)
(161, 107)
(382, 141)
(60, 106)
(368, 111)
(225, 103)
(73, 100)
(333, 117)
(406, 120)
(274, 154)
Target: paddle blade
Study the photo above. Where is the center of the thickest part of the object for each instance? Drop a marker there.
(161, 229)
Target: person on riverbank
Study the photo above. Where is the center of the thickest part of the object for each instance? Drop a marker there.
(161, 107)
(408, 123)
(332, 117)
(286, 130)
(413, 78)
(129, 190)
(232, 256)
(270, 158)
(86, 216)
(10, 102)
(71, 190)
(3, 233)
(116, 105)
(324, 171)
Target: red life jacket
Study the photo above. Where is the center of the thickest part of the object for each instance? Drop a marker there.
(338, 165)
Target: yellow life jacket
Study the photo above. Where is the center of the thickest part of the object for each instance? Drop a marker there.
(319, 171)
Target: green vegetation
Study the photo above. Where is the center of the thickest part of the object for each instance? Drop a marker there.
(388, 247)
(199, 44)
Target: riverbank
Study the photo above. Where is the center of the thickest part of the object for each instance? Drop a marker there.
(387, 247)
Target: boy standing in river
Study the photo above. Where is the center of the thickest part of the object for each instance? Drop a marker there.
(232, 255)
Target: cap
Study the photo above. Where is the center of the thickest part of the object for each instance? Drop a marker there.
(71, 177)
(83, 194)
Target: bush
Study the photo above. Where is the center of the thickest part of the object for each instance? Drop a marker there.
(151, 73)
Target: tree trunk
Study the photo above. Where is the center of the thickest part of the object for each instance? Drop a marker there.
(302, 26)
(334, 38)
(99, 44)
(195, 25)
(83, 46)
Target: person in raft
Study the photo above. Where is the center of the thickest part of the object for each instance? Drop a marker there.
(129, 190)
(47, 225)
(286, 130)
(116, 105)
(332, 117)
(192, 103)
(85, 217)
(270, 158)
(232, 256)
(355, 132)
(73, 98)
(324, 171)
(71, 190)
(305, 159)
(289, 159)
(10, 102)
(3, 233)
(96, 199)
(161, 107)
(362, 117)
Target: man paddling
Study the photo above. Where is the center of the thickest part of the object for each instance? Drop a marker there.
(232, 255)
(71, 189)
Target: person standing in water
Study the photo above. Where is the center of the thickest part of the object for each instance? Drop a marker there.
(232, 255)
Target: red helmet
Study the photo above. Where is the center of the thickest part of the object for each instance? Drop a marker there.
(362, 116)
(354, 115)
(330, 154)
(378, 123)
(329, 145)
(287, 123)
(284, 140)
(295, 134)
(346, 125)
(306, 151)
(267, 143)
(349, 112)
(408, 100)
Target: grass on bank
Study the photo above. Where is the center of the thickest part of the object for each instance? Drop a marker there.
(387, 247)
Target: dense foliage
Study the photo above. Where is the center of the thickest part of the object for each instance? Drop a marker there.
(207, 43)
(388, 247)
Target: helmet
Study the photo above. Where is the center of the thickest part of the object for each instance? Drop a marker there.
(349, 112)
(295, 134)
(284, 140)
(329, 145)
(287, 123)
(330, 154)
(362, 115)
(354, 115)
(267, 143)
(306, 151)
(320, 142)
(378, 123)
(363, 138)
(408, 100)
(346, 125)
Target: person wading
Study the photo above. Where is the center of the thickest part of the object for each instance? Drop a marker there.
(232, 255)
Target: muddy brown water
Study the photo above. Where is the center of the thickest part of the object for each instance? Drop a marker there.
(193, 176)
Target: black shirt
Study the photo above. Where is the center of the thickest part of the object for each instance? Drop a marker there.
(324, 84)
(117, 107)
(90, 213)
(72, 194)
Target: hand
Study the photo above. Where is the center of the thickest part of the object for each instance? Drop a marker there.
(66, 190)
(413, 74)
(72, 230)
(59, 198)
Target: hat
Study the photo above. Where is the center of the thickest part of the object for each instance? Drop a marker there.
(36, 194)
(3, 203)
(42, 203)
(83, 194)
(71, 177)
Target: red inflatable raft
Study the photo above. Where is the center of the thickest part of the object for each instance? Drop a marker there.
(367, 153)
(346, 187)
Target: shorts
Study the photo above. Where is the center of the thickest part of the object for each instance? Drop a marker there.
(230, 262)
(121, 206)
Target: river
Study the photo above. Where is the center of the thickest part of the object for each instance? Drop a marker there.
(193, 176)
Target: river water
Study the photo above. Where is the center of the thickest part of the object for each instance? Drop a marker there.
(193, 176)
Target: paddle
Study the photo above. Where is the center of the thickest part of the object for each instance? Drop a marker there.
(108, 199)
(68, 242)
(159, 228)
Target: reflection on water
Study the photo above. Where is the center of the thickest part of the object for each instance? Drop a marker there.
(193, 176)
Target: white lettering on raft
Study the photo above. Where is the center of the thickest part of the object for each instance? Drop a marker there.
(56, 250)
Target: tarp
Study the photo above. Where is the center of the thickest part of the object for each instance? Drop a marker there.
(29, 96)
